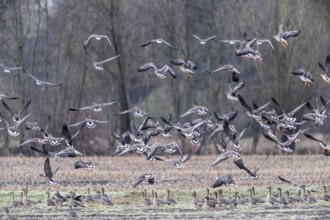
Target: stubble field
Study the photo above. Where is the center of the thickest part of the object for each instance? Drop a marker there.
(116, 174)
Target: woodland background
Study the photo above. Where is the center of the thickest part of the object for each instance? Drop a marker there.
(47, 37)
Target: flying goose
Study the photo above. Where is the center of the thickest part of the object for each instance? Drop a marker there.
(7, 97)
(282, 36)
(196, 109)
(203, 41)
(322, 143)
(16, 116)
(12, 130)
(307, 78)
(326, 69)
(49, 172)
(231, 93)
(96, 107)
(303, 187)
(158, 41)
(145, 177)
(83, 164)
(7, 69)
(67, 152)
(90, 123)
(227, 180)
(67, 135)
(239, 163)
(159, 72)
(225, 155)
(229, 67)
(136, 111)
(243, 41)
(98, 65)
(186, 67)
(97, 37)
(40, 82)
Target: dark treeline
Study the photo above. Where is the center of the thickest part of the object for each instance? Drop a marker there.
(47, 38)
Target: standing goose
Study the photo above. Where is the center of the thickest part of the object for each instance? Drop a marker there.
(326, 70)
(325, 195)
(89, 197)
(15, 203)
(255, 197)
(6, 215)
(49, 201)
(146, 201)
(270, 198)
(170, 200)
(105, 200)
(289, 199)
(281, 199)
(197, 202)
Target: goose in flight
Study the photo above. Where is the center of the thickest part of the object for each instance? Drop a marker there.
(7, 69)
(145, 177)
(49, 172)
(186, 67)
(161, 73)
(159, 41)
(7, 97)
(322, 143)
(227, 180)
(232, 92)
(98, 65)
(40, 82)
(16, 116)
(12, 130)
(95, 107)
(83, 164)
(97, 37)
(90, 123)
(247, 50)
(225, 155)
(196, 109)
(203, 41)
(307, 78)
(283, 37)
(136, 111)
(243, 41)
(229, 67)
(239, 163)
(326, 70)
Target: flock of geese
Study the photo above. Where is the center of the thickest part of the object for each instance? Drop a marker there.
(279, 125)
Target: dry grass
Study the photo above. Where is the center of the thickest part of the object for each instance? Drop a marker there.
(117, 173)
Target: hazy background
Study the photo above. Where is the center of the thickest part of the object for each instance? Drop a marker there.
(48, 36)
